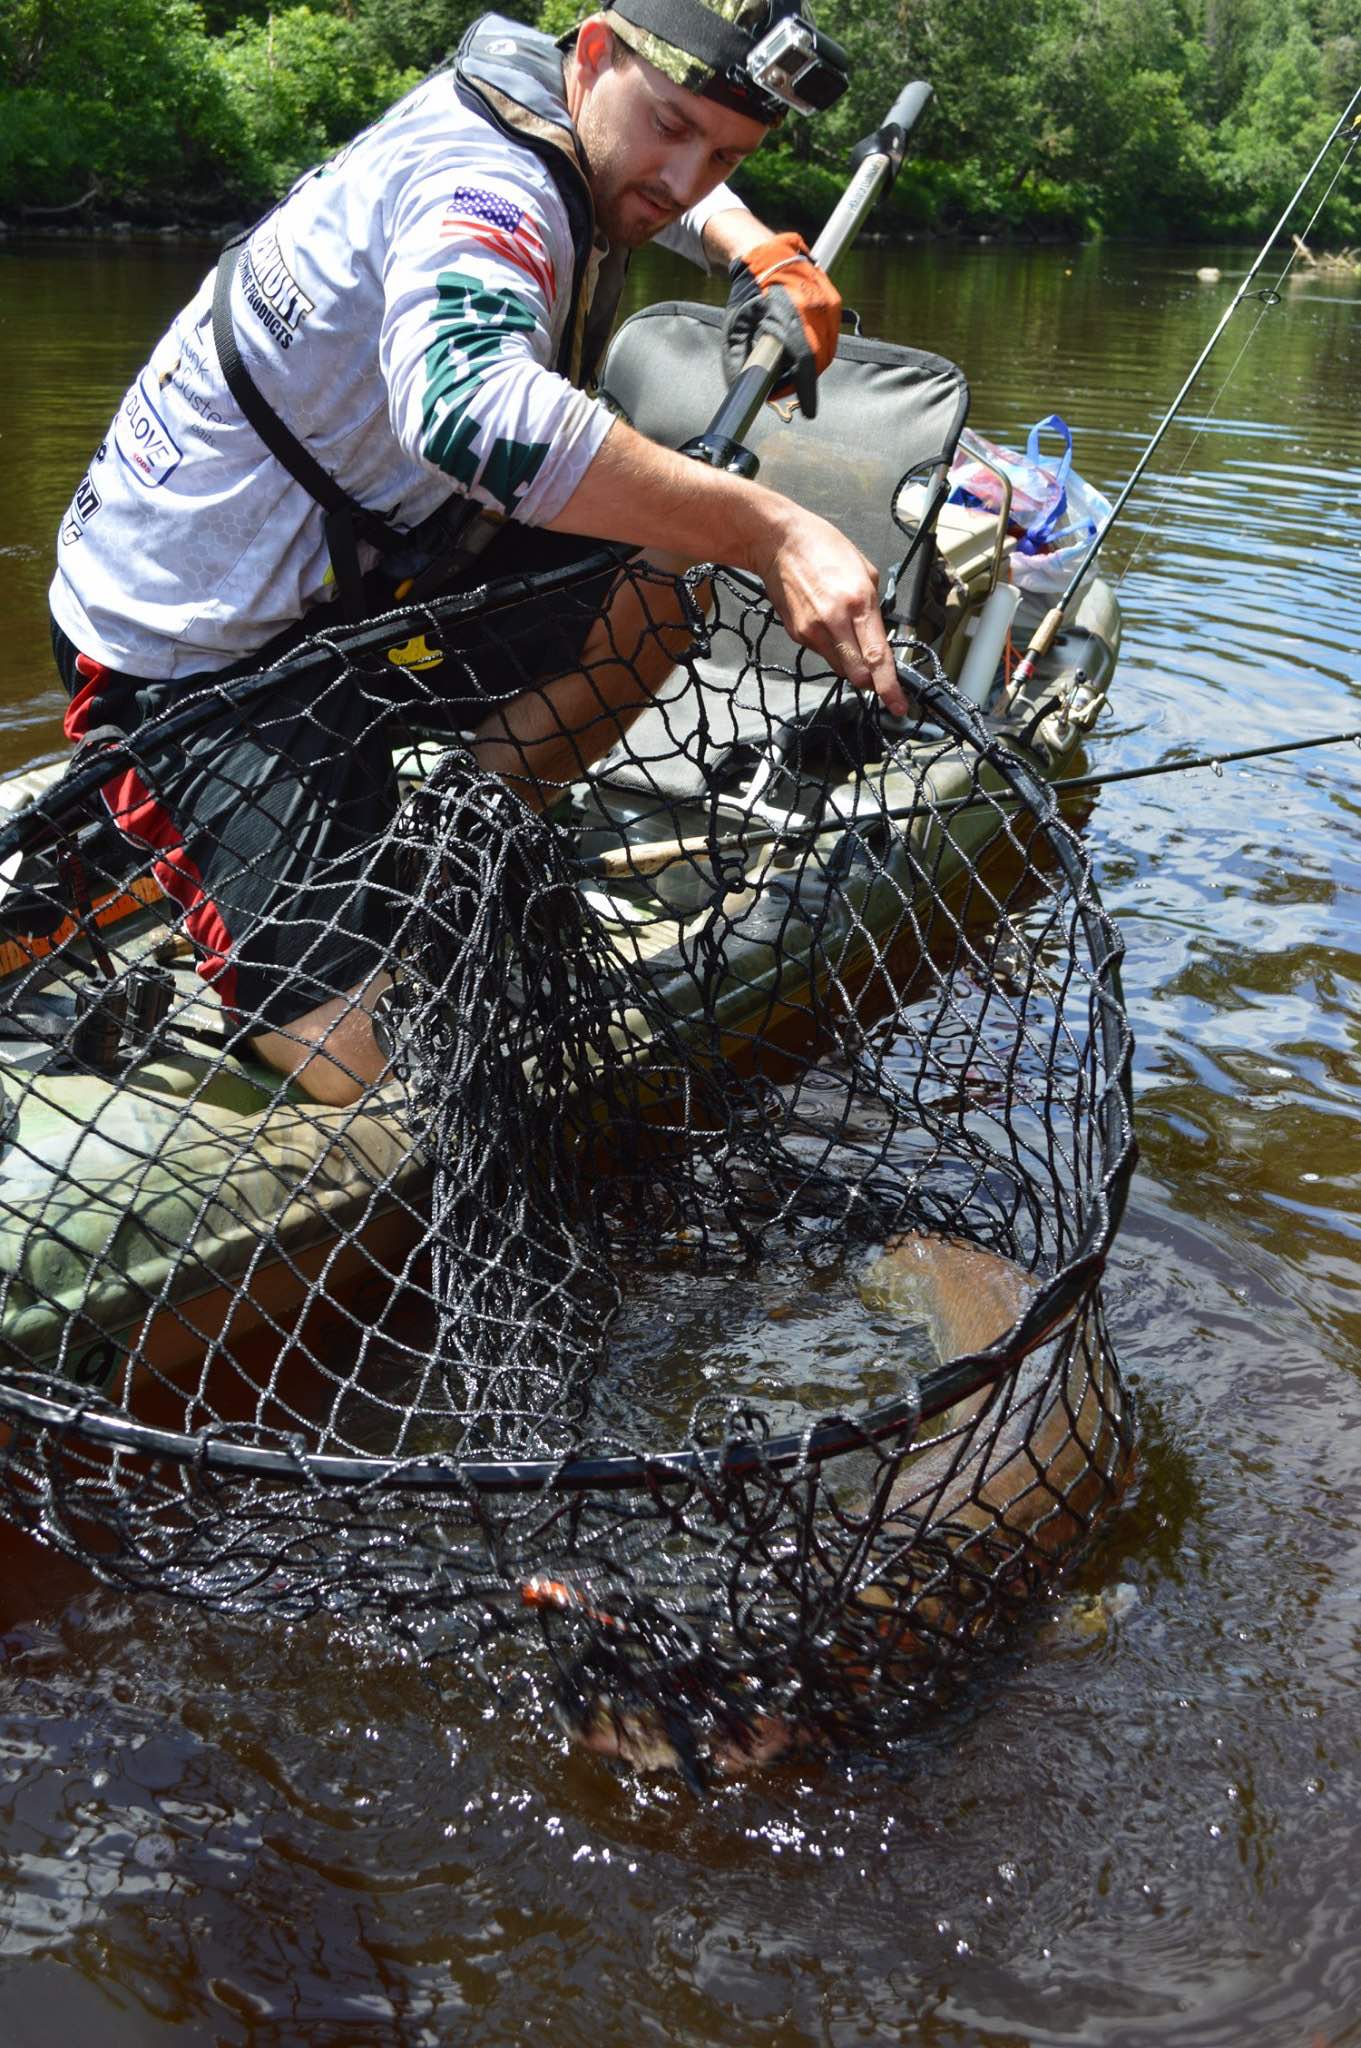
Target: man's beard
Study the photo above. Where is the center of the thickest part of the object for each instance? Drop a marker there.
(626, 217)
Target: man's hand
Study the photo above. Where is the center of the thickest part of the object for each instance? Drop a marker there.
(827, 596)
(777, 287)
(824, 590)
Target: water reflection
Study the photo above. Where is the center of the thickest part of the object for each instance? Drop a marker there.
(1142, 1828)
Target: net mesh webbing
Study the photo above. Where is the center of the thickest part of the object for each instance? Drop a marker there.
(706, 1294)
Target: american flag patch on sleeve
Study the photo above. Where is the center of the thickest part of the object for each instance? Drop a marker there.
(505, 229)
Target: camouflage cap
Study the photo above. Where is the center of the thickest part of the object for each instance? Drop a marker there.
(675, 62)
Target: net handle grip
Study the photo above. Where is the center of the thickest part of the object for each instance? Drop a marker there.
(875, 164)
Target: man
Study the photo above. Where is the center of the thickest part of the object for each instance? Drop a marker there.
(410, 334)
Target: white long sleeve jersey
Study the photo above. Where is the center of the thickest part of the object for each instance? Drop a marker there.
(401, 310)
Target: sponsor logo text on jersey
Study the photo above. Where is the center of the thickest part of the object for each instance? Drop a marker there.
(143, 440)
(83, 506)
(272, 292)
(506, 230)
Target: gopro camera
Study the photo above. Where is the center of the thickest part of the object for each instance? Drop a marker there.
(797, 65)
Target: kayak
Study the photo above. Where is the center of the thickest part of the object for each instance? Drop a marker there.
(185, 1199)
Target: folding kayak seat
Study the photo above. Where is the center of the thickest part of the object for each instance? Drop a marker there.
(885, 413)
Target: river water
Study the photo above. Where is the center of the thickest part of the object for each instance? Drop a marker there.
(1148, 1827)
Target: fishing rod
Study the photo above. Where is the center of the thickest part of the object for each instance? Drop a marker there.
(1047, 631)
(621, 862)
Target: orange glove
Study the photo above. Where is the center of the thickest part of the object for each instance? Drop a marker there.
(777, 288)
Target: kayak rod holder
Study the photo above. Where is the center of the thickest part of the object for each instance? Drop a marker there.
(118, 1019)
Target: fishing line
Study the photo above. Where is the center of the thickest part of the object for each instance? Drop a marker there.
(1269, 297)
(1047, 631)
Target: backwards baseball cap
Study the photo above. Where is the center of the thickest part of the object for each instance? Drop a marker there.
(760, 57)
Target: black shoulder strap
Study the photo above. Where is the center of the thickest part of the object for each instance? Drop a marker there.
(346, 519)
(512, 76)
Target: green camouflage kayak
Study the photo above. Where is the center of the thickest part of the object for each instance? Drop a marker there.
(153, 1213)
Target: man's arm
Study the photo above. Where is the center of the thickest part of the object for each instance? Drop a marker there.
(823, 588)
(732, 233)
(477, 287)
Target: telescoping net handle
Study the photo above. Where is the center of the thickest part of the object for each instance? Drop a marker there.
(858, 1059)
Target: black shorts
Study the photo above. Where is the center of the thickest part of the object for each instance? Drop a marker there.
(264, 816)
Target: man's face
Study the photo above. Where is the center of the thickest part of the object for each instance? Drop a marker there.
(653, 148)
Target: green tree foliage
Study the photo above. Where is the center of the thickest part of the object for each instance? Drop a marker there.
(300, 83)
(1184, 117)
(418, 33)
(111, 95)
(1276, 76)
(1071, 115)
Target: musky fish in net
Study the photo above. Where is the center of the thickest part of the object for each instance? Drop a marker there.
(780, 993)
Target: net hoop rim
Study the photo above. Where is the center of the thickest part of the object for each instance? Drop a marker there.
(832, 1437)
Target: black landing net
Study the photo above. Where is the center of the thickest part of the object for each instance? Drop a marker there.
(702, 1308)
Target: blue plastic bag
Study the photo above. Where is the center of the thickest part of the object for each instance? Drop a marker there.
(1038, 490)
(1039, 536)
(1055, 516)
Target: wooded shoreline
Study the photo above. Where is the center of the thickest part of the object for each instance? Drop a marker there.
(1052, 120)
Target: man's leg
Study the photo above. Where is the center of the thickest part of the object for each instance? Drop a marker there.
(270, 830)
(544, 739)
(539, 742)
(331, 1052)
